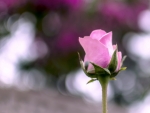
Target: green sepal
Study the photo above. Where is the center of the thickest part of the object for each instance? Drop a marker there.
(100, 71)
(123, 59)
(92, 75)
(113, 63)
(123, 68)
(113, 78)
(81, 63)
(86, 65)
(116, 73)
(92, 80)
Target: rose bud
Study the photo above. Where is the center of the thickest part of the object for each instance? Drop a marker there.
(101, 57)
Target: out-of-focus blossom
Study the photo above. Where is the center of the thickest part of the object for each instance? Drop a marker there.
(116, 14)
(11, 3)
(67, 41)
(55, 4)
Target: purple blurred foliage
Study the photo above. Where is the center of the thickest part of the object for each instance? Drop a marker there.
(11, 3)
(57, 4)
(67, 41)
(120, 14)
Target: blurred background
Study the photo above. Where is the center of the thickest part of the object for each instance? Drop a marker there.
(39, 45)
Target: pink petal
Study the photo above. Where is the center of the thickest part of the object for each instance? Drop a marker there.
(107, 41)
(95, 51)
(119, 57)
(97, 34)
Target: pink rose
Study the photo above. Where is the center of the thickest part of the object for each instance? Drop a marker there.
(99, 49)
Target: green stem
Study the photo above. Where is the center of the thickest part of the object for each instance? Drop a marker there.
(104, 83)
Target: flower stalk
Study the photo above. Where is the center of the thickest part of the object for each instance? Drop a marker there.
(104, 83)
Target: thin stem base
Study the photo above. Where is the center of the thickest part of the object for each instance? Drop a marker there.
(104, 83)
